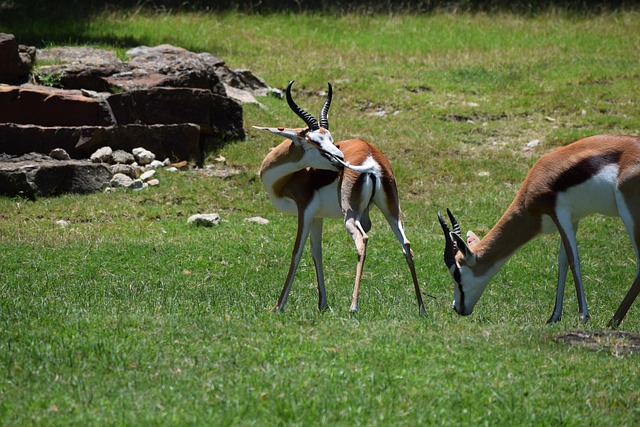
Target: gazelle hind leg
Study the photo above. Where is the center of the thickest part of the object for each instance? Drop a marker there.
(360, 239)
(398, 229)
(316, 254)
(632, 294)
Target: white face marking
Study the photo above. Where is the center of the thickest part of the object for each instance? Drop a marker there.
(323, 138)
(473, 286)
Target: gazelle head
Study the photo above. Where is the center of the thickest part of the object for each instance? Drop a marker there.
(315, 140)
(461, 260)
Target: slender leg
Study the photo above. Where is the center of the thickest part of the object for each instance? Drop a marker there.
(316, 253)
(563, 269)
(568, 236)
(398, 230)
(360, 239)
(632, 294)
(304, 226)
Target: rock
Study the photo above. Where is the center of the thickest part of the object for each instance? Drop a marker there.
(143, 156)
(45, 106)
(153, 182)
(205, 220)
(59, 154)
(38, 175)
(82, 67)
(124, 157)
(218, 116)
(170, 66)
(123, 169)
(257, 220)
(147, 175)
(181, 141)
(15, 60)
(102, 155)
(181, 165)
(137, 184)
(120, 180)
(62, 223)
(155, 164)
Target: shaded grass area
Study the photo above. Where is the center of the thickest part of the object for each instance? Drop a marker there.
(128, 316)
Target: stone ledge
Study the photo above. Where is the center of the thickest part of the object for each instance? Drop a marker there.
(37, 175)
(174, 141)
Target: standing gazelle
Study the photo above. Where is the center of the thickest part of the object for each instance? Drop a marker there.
(599, 174)
(308, 176)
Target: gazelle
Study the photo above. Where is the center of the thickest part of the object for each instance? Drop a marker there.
(599, 174)
(308, 176)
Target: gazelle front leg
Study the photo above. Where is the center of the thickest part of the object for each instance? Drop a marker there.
(316, 254)
(360, 238)
(563, 269)
(568, 238)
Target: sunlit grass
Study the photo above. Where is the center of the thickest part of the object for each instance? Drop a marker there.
(130, 316)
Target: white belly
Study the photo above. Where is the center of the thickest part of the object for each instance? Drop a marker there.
(596, 195)
(324, 204)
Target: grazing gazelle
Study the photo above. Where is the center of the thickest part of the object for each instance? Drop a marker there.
(599, 174)
(308, 176)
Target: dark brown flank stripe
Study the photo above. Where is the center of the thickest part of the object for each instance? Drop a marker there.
(583, 170)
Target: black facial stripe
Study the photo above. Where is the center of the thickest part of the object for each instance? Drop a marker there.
(457, 278)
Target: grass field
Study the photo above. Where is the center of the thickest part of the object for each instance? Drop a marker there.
(130, 317)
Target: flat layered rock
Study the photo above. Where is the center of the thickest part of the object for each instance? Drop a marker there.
(36, 175)
(173, 141)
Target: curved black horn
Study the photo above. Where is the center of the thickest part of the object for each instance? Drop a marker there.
(450, 247)
(456, 226)
(311, 122)
(324, 113)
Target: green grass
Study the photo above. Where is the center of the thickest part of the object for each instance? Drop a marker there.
(128, 316)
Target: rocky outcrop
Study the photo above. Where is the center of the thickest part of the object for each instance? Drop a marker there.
(168, 100)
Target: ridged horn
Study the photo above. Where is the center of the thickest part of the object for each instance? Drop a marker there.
(454, 222)
(311, 122)
(324, 113)
(450, 247)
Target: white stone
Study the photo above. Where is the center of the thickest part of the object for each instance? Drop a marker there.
(205, 220)
(143, 156)
(155, 164)
(533, 143)
(257, 220)
(146, 176)
(172, 169)
(102, 155)
(62, 223)
(153, 182)
(120, 180)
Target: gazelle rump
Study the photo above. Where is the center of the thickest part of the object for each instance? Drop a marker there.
(306, 175)
(599, 174)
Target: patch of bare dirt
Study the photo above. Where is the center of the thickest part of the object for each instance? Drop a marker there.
(618, 342)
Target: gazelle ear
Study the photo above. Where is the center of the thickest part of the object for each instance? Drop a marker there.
(472, 239)
(285, 132)
(468, 255)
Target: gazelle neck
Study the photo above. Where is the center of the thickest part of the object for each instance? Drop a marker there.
(516, 227)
